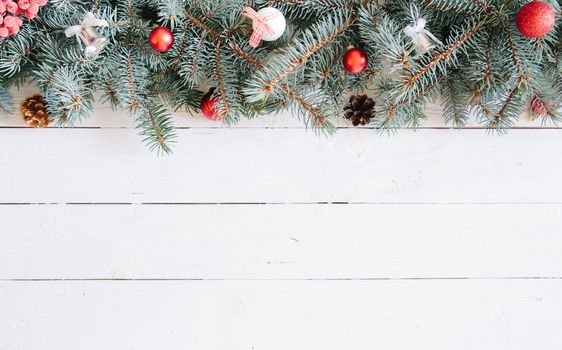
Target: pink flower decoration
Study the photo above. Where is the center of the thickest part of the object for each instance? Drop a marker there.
(12, 12)
(24, 4)
(12, 7)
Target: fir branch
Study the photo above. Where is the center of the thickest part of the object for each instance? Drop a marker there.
(515, 56)
(222, 39)
(299, 60)
(324, 32)
(133, 104)
(486, 70)
(69, 99)
(225, 107)
(475, 98)
(319, 119)
(193, 67)
(201, 25)
(331, 4)
(444, 55)
(462, 6)
(6, 102)
(501, 115)
(157, 127)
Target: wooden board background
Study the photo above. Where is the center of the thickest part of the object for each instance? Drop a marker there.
(265, 236)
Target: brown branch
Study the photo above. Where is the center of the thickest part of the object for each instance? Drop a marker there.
(476, 97)
(296, 62)
(502, 111)
(325, 3)
(484, 5)
(486, 71)
(454, 100)
(246, 56)
(220, 39)
(319, 119)
(134, 105)
(442, 56)
(487, 8)
(195, 58)
(156, 128)
(516, 59)
(220, 86)
(199, 24)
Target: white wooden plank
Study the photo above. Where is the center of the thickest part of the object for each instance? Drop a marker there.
(240, 165)
(280, 241)
(107, 118)
(338, 315)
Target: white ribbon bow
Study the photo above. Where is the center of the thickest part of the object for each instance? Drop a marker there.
(418, 28)
(89, 21)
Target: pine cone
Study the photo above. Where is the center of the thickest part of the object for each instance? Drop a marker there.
(360, 110)
(34, 113)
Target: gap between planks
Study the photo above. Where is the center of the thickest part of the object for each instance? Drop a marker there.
(268, 203)
(335, 279)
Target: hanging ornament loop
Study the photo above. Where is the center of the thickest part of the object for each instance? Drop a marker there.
(85, 32)
(261, 25)
(422, 38)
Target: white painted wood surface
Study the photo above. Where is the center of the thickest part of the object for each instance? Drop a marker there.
(266, 237)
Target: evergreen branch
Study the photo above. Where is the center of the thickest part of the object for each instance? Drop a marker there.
(157, 127)
(180, 51)
(486, 71)
(220, 39)
(477, 101)
(515, 55)
(502, 112)
(484, 67)
(465, 6)
(484, 5)
(6, 102)
(133, 105)
(409, 82)
(456, 115)
(475, 98)
(196, 55)
(333, 4)
(397, 111)
(319, 119)
(299, 60)
(69, 99)
(246, 56)
(549, 111)
(201, 25)
(225, 108)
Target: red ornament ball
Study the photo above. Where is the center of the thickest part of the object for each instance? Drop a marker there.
(209, 108)
(535, 19)
(161, 39)
(355, 61)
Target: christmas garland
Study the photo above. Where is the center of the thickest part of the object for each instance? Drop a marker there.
(491, 58)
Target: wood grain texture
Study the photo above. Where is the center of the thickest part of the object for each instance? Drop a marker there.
(330, 315)
(281, 166)
(265, 236)
(280, 241)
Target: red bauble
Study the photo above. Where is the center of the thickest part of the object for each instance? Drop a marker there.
(535, 19)
(208, 107)
(538, 106)
(161, 39)
(355, 61)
